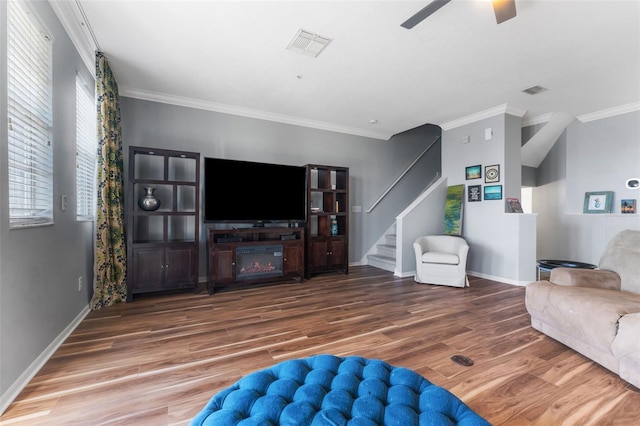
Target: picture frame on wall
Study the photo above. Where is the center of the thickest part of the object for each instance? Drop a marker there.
(493, 192)
(473, 172)
(453, 210)
(628, 206)
(474, 193)
(597, 202)
(492, 173)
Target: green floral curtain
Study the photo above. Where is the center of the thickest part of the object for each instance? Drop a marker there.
(110, 285)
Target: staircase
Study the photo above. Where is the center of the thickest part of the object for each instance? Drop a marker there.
(385, 255)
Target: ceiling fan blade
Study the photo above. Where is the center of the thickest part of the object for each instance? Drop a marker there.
(504, 10)
(424, 13)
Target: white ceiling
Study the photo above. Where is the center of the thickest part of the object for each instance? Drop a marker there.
(231, 56)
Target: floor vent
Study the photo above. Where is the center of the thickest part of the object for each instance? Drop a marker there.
(462, 360)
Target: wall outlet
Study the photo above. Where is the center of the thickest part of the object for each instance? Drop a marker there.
(80, 283)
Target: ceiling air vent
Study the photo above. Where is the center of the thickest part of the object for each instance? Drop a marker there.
(308, 43)
(534, 90)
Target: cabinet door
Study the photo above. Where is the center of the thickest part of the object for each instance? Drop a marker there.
(318, 254)
(224, 264)
(292, 262)
(336, 253)
(148, 269)
(180, 266)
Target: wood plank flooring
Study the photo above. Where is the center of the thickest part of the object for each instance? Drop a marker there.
(158, 360)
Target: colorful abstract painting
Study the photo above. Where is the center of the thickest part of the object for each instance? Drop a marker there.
(453, 210)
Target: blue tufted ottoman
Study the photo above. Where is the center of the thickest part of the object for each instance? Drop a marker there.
(331, 390)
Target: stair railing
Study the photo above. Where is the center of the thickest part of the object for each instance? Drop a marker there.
(384, 194)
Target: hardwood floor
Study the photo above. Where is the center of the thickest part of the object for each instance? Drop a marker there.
(158, 360)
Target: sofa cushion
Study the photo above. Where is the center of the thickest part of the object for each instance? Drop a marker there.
(589, 314)
(621, 256)
(442, 258)
(595, 278)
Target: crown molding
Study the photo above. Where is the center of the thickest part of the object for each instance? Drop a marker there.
(540, 119)
(70, 17)
(611, 112)
(491, 112)
(248, 112)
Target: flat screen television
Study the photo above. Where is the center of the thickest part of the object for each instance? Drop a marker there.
(253, 192)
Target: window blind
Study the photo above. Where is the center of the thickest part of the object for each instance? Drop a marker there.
(29, 106)
(86, 146)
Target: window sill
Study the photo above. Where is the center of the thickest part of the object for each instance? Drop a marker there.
(23, 225)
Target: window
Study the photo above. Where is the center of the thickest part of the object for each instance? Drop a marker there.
(29, 108)
(86, 146)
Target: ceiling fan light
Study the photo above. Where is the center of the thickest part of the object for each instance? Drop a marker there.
(504, 10)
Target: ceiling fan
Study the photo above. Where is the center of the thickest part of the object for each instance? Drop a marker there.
(504, 10)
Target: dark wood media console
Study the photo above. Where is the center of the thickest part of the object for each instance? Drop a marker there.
(254, 255)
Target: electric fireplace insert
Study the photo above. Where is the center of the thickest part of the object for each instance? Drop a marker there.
(258, 261)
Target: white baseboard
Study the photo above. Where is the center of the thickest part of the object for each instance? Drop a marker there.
(404, 274)
(14, 390)
(499, 279)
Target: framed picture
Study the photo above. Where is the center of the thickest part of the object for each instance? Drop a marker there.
(473, 172)
(514, 205)
(493, 192)
(598, 202)
(492, 173)
(474, 193)
(627, 206)
(453, 210)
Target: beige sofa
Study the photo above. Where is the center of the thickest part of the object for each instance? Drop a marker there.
(595, 312)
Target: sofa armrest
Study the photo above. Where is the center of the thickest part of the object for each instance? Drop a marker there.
(626, 347)
(595, 278)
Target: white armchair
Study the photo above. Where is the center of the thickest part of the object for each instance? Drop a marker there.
(441, 259)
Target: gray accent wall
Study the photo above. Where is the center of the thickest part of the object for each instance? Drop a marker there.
(40, 266)
(373, 164)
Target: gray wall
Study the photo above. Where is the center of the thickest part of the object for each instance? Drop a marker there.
(373, 164)
(39, 267)
(598, 155)
(501, 245)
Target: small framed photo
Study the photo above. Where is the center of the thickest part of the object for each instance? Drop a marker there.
(514, 206)
(493, 192)
(492, 173)
(473, 172)
(474, 192)
(598, 202)
(628, 206)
